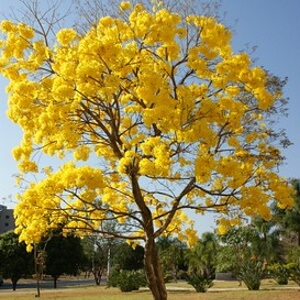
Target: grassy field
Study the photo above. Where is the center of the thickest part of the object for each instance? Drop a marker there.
(220, 291)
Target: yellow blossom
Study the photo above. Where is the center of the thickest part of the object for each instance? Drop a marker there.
(66, 36)
(125, 5)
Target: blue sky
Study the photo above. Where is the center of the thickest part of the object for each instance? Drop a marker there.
(271, 25)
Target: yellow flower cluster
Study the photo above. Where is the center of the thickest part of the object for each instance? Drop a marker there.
(71, 183)
(66, 36)
(125, 5)
(156, 97)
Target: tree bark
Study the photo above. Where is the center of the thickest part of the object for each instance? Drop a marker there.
(154, 272)
(153, 269)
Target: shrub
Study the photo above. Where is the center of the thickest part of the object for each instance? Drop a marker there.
(251, 271)
(294, 272)
(200, 281)
(182, 275)
(113, 277)
(168, 278)
(280, 273)
(127, 281)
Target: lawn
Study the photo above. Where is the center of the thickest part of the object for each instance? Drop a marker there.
(234, 292)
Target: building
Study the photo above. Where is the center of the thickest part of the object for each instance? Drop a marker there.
(7, 221)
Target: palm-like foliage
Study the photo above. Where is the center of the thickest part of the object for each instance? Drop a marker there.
(247, 251)
(201, 262)
(171, 254)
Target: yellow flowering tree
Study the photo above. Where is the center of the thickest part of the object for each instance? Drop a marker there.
(147, 115)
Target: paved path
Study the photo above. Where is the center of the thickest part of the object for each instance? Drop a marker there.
(24, 284)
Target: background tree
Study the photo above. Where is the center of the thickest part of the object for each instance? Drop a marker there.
(64, 256)
(289, 226)
(127, 271)
(201, 260)
(171, 255)
(288, 220)
(154, 113)
(15, 261)
(247, 251)
(96, 251)
(127, 258)
(269, 241)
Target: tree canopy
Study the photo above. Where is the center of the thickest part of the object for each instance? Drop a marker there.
(16, 262)
(147, 113)
(126, 258)
(64, 255)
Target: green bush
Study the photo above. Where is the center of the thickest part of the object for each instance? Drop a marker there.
(200, 281)
(113, 277)
(182, 275)
(280, 273)
(168, 278)
(294, 272)
(127, 281)
(251, 272)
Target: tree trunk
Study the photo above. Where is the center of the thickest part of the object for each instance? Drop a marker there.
(153, 269)
(55, 282)
(14, 283)
(154, 272)
(97, 276)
